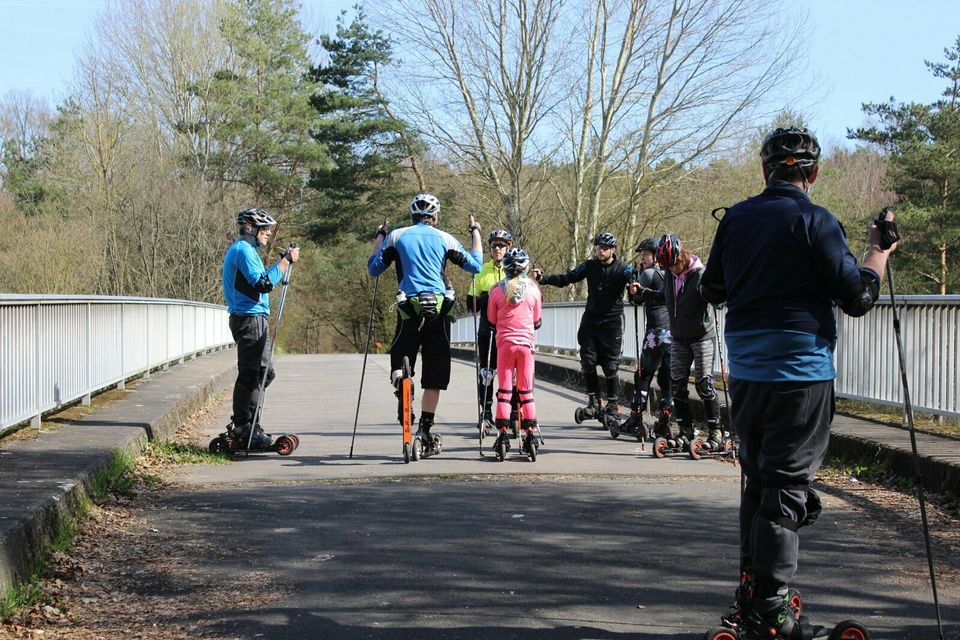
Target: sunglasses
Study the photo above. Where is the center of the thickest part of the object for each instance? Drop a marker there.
(498, 245)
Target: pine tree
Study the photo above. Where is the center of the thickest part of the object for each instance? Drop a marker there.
(366, 143)
(261, 108)
(923, 143)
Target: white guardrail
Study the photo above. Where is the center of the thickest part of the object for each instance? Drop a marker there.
(57, 349)
(866, 355)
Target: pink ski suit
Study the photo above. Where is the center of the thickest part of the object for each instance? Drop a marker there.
(515, 320)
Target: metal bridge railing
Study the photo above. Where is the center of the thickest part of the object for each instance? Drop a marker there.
(57, 349)
(866, 356)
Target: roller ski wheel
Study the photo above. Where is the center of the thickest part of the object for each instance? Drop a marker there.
(849, 630)
(417, 450)
(613, 425)
(530, 446)
(660, 448)
(578, 415)
(501, 446)
(285, 445)
(696, 449)
(722, 633)
(218, 445)
(407, 453)
(795, 600)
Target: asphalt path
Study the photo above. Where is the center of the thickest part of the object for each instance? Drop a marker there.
(596, 539)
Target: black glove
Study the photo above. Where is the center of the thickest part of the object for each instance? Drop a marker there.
(889, 233)
(289, 254)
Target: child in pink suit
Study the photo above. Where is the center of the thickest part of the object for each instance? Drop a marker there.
(515, 309)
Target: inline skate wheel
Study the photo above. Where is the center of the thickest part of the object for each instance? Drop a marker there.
(502, 449)
(406, 452)
(614, 429)
(285, 445)
(660, 448)
(722, 633)
(532, 448)
(696, 448)
(795, 601)
(218, 445)
(849, 630)
(417, 449)
(578, 416)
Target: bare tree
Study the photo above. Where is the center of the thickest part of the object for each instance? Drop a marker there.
(638, 92)
(478, 84)
(24, 119)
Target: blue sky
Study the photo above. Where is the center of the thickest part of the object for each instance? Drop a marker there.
(860, 50)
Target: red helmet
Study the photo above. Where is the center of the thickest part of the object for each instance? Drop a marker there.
(668, 250)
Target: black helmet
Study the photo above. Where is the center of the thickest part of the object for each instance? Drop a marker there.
(424, 204)
(515, 261)
(668, 250)
(791, 146)
(650, 244)
(605, 238)
(500, 234)
(256, 218)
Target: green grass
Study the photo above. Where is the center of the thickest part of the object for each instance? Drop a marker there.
(173, 453)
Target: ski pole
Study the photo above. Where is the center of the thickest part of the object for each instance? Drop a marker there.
(366, 350)
(636, 336)
(262, 387)
(889, 235)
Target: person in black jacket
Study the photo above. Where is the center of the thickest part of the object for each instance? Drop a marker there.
(692, 331)
(655, 348)
(780, 263)
(601, 328)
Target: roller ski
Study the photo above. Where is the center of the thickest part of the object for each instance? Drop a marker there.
(717, 444)
(235, 440)
(486, 423)
(426, 443)
(633, 426)
(404, 393)
(784, 622)
(532, 439)
(593, 411)
(501, 445)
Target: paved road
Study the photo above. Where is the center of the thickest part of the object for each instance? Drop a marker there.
(594, 540)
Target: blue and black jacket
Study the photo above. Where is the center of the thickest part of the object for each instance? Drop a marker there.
(780, 263)
(246, 281)
(421, 253)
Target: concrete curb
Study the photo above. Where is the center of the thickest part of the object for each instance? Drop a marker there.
(45, 480)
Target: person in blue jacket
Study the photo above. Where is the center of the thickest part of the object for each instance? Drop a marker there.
(246, 287)
(781, 263)
(424, 299)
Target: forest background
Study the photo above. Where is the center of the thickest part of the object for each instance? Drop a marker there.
(554, 119)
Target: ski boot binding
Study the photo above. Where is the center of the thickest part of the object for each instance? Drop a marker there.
(502, 444)
(633, 425)
(667, 444)
(532, 440)
(426, 443)
(593, 410)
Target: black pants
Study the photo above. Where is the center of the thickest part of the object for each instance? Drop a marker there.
(654, 361)
(601, 344)
(252, 335)
(433, 338)
(487, 347)
(784, 430)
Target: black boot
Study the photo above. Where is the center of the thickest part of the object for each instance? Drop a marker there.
(503, 433)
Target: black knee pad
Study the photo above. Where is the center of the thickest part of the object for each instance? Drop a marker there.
(679, 389)
(588, 368)
(705, 388)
